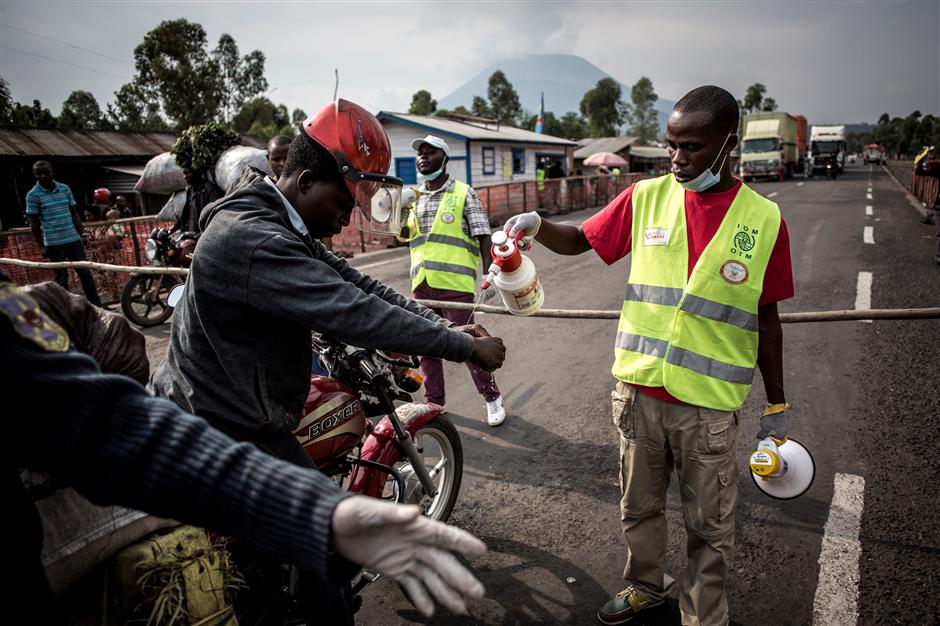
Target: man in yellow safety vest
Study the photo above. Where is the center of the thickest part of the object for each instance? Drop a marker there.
(450, 236)
(710, 260)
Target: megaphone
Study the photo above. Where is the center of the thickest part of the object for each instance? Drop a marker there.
(783, 471)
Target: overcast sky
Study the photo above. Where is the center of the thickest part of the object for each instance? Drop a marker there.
(832, 61)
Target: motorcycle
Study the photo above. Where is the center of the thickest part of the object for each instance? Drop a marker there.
(143, 299)
(832, 170)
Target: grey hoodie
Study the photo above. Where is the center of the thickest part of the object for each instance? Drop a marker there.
(239, 352)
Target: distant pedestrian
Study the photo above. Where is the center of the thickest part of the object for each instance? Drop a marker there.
(930, 166)
(53, 218)
(199, 193)
(277, 154)
(120, 203)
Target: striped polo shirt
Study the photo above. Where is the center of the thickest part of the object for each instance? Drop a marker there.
(55, 213)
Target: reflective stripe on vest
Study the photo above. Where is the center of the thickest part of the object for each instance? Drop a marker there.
(446, 258)
(695, 335)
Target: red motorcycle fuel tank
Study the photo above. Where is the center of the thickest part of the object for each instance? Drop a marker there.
(333, 422)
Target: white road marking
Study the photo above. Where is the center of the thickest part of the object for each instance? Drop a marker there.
(869, 190)
(868, 196)
(799, 184)
(772, 194)
(868, 210)
(863, 293)
(379, 263)
(869, 235)
(836, 599)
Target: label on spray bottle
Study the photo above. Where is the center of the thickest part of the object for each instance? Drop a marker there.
(529, 296)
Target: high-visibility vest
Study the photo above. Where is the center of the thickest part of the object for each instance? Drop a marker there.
(445, 258)
(695, 335)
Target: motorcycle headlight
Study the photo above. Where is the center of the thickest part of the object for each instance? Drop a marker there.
(150, 249)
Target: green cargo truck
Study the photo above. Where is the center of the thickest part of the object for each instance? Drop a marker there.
(769, 148)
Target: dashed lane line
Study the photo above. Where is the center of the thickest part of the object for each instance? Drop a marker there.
(868, 196)
(836, 600)
(868, 210)
(863, 293)
(868, 236)
(799, 184)
(772, 194)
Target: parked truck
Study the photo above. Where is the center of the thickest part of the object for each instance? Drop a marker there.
(773, 145)
(827, 143)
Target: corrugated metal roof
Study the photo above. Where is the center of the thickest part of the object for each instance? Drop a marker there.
(473, 131)
(32, 142)
(649, 152)
(602, 144)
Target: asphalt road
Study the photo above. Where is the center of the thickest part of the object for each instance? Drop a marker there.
(542, 491)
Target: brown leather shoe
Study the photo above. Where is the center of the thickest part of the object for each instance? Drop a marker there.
(624, 606)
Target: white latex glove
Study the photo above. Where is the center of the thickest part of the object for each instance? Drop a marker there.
(418, 553)
(487, 294)
(528, 223)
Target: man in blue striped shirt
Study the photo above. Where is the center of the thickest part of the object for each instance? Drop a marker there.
(53, 217)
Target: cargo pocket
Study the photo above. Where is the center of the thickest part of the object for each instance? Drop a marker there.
(622, 409)
(718, 436)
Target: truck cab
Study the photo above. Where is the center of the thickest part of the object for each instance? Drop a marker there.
(874, 153)
(827, 143)
(769, 147)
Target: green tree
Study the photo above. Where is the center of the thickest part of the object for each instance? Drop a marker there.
(460, 109)
(753, 98)
(130, 111)
(480, 107)
(297, 118)
(263, 119)
(504, 102)
(176, 72)
(422, 103)
(640, 113)
(6, 102)
(35, 116)
(242, 76)
(573, 126)
(80, 111)
(884, 119)
(769, 104)
(603, 109)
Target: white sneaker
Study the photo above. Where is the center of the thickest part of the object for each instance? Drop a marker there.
(495, 413)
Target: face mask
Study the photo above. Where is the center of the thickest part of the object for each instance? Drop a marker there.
(426, 177)
(708, 178)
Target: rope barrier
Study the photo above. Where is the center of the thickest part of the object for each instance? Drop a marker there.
(786, 318)
(589, 314)
(91, 265)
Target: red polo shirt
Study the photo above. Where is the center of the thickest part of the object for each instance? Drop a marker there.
(610, 233)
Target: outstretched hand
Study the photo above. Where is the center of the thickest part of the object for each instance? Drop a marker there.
(415, 551)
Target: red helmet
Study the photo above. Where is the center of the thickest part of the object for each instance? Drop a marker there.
(102, 195)
(358, 142)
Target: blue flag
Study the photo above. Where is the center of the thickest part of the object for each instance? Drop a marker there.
(540, 118)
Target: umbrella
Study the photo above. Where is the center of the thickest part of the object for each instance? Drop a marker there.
(607, 159)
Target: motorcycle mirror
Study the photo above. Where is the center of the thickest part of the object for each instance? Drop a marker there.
(175, 295)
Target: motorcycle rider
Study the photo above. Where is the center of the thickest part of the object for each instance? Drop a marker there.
(260, 281)
(105, 436)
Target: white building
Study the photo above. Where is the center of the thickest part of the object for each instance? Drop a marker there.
(481, 152)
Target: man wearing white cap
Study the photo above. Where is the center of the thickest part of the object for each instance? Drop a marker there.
(451, 238)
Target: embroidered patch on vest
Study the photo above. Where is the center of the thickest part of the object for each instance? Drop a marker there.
(734, 272)
(30, 322)
(656, 236)
(447, 218)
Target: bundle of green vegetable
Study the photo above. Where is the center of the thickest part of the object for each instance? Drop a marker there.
(199, 147)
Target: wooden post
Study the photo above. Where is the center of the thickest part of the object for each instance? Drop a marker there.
(525, 203)
(136, 244)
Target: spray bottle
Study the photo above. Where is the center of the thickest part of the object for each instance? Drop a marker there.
(514, 276)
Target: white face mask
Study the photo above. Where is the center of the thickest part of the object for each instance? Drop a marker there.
(432, 176)
(708, 178)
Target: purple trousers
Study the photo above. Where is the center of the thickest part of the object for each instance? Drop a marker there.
(432, 368)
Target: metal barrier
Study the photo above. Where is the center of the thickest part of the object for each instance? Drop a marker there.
(119, 243)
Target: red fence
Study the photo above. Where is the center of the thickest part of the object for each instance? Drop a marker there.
(925, 188)
(118, 243)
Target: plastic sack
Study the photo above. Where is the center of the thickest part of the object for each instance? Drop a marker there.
(234, 160)
(161, 176)
(173, 208)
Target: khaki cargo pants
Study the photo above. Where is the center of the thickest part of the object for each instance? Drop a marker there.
(656, 436)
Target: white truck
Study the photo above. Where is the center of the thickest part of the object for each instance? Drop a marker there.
(827, 142)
